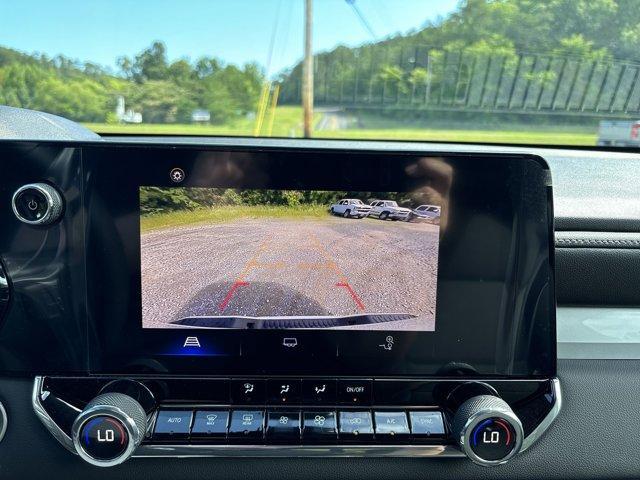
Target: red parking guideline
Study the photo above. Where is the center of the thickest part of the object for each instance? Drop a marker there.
(230, 293)
(352, 293)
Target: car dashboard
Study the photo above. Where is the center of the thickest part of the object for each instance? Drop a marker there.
(191, 307)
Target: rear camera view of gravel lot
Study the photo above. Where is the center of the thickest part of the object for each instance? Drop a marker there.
(288, 259)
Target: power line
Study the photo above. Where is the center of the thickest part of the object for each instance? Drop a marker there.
(272, 42)
(362, 18)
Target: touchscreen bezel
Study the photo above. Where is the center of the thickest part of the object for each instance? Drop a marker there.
(495, 297)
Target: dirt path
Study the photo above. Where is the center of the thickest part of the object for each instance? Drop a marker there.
(273, 267)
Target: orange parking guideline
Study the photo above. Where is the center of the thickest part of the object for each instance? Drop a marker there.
(240, 282)
(343, 283)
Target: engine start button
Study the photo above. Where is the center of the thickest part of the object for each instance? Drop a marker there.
(493, 439)
(31, 205)
(103, 438)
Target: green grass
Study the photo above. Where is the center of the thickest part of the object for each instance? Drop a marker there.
(225, 214)
(288, 123)
(469, 136)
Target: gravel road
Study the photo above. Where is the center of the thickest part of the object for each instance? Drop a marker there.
(275, 267)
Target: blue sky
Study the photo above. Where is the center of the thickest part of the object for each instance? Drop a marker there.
(238, 31)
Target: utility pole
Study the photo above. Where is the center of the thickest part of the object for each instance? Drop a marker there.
(307, 70)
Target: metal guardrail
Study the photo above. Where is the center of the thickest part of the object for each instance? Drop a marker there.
(423, 78)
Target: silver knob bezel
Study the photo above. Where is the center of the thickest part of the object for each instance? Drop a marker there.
(54, 203)
(133, 433)
(480, 416)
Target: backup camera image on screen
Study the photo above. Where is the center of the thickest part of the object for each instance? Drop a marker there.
(280, 259)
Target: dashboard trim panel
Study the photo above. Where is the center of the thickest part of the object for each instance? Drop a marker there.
(546, 422)
(279, 451)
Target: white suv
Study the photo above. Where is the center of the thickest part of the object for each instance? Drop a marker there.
(350, 207)
(385, 209)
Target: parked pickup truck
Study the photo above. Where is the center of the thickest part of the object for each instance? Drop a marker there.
(350, 207)
(425, 212)
(619, 133)
(388, 209)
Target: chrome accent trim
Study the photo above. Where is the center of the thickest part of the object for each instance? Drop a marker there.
(4, 420)
(548, 420)
(44, 417)
(281, 451)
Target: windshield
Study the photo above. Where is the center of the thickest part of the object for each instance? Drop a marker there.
(557, 72)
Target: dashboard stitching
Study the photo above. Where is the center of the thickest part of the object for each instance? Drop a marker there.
(597, 242)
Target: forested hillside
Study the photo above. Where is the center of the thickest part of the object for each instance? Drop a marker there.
(546, 35)
(163, 92)
(474, 58)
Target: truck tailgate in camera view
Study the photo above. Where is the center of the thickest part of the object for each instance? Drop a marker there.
(278, 259)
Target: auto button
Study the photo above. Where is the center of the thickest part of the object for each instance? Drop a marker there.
(173, 425)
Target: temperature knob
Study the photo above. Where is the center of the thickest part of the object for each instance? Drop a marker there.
(487, 430)
(109, 429)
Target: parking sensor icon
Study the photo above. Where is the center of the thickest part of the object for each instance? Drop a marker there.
(290, 342)
(192, 342)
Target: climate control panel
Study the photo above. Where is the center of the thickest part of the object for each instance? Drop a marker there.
(305, 426)
(107, 420)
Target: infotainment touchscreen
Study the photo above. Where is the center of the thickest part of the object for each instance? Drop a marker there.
(224, 258)
(266, 258)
